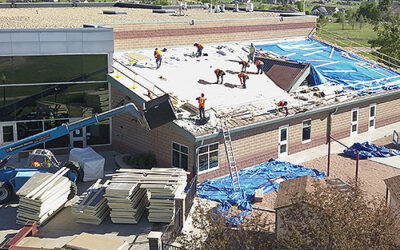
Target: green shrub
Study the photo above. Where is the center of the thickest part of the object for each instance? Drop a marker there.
(142, 161)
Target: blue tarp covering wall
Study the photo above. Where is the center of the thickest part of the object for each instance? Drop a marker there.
(369, 150)
(343, 68)
(252, 178)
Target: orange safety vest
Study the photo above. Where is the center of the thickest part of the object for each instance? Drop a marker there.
(202, 101)
(199, 45)
(243, 62)
(258, 62)
(217, 71)
(157, 53)
(242, 75)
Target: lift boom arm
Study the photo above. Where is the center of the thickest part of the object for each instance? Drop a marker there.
(65, 129)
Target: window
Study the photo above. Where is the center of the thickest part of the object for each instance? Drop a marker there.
(306, 130)
(372, 116)
(180, 156)
(208, 157)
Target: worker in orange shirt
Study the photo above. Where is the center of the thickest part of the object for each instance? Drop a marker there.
(200, 48)
(243, 77)
(219, 73)
(260, 65)
(202, 102)
(245, 65)
(158, 57)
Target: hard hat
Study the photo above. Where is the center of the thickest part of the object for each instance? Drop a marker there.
(202, 94)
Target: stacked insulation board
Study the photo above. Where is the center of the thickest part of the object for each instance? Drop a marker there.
(162, 185)
(42, 196)
(127, 202)
(92, 208)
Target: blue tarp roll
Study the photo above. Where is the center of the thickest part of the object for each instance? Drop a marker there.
(252, 178)
(344, 68)
(369, 150)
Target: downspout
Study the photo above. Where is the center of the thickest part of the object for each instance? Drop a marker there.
(196, 163)
(329, 125)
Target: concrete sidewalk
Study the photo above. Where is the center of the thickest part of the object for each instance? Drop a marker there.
(316, 152)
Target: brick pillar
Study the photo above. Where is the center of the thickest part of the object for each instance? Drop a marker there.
(155, 240)
(180, 204)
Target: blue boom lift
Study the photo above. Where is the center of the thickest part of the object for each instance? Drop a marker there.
(156, 113)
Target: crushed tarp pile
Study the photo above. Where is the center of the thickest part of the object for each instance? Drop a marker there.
(335, 65)
(369, 150)
(266, 175)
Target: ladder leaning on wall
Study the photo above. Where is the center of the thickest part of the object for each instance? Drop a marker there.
(230, 155)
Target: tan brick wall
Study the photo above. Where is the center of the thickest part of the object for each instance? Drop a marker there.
(145, 35)
(128, 136)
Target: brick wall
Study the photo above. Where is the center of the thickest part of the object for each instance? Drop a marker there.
(258, 145)
(147, 35)
(128, 136)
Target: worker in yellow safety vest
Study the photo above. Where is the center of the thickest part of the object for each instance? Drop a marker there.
(243, 77)
(202, 102)
(252, 52)
(158, 57)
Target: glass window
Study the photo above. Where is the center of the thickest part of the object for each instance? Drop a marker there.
(307, 130)
(8, 133)
(283, 134)
(372, 123)
(354, 128)
(53, 68)
(208, 157)
(372, 111)
(354, 116)
(180, 157)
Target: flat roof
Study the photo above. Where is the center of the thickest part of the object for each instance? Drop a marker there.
(185, 77)
(75, 17)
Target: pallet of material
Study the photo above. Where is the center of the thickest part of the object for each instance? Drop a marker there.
(86, 241)
(127, 202)
(42, 196)
(92, 207)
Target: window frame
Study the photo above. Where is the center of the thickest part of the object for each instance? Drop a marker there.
(370, 118)
(208, 155)
(302, 130)
(180, 152)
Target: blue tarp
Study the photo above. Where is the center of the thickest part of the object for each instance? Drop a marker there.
(370, 150)
(252, 178)
(343, 68)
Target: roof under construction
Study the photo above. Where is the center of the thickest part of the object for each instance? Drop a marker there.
(334, 77)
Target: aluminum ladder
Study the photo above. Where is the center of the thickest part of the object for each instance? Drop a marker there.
(230, 155)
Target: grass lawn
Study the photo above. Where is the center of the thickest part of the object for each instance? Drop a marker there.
(361, 36)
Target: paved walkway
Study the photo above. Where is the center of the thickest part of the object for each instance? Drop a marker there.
(316, 152)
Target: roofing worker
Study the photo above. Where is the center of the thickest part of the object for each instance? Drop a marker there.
(202, 102)
(219, 73)
(245, 65)
(243, 77)
(158, 57)
(260, 65)
(200, 48)
(282, 105)
(252, 52)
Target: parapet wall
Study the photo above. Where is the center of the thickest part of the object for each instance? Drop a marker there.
(173, 33)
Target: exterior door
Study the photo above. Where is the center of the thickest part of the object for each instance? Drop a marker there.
(372, 117)
(283, 146)
(78, 137)
(354, 122)
(8, 133)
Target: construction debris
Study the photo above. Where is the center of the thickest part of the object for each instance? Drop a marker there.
(86, 241)
(163, 185)
(42, 196)
(127, 202)
(92, 208)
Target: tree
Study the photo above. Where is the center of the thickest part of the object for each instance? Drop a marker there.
(361, 20)
(341, 18)
(351, 17)
(300, 5)
(322, 20)
(369, 11)
(326, 218)
(388, 31)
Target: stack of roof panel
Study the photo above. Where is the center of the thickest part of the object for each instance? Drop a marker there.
(162, 184)
(91, 208)
(127, 202)
(42, 196)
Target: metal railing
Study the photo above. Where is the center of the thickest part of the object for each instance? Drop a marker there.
(173, 229)
(190, 194)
